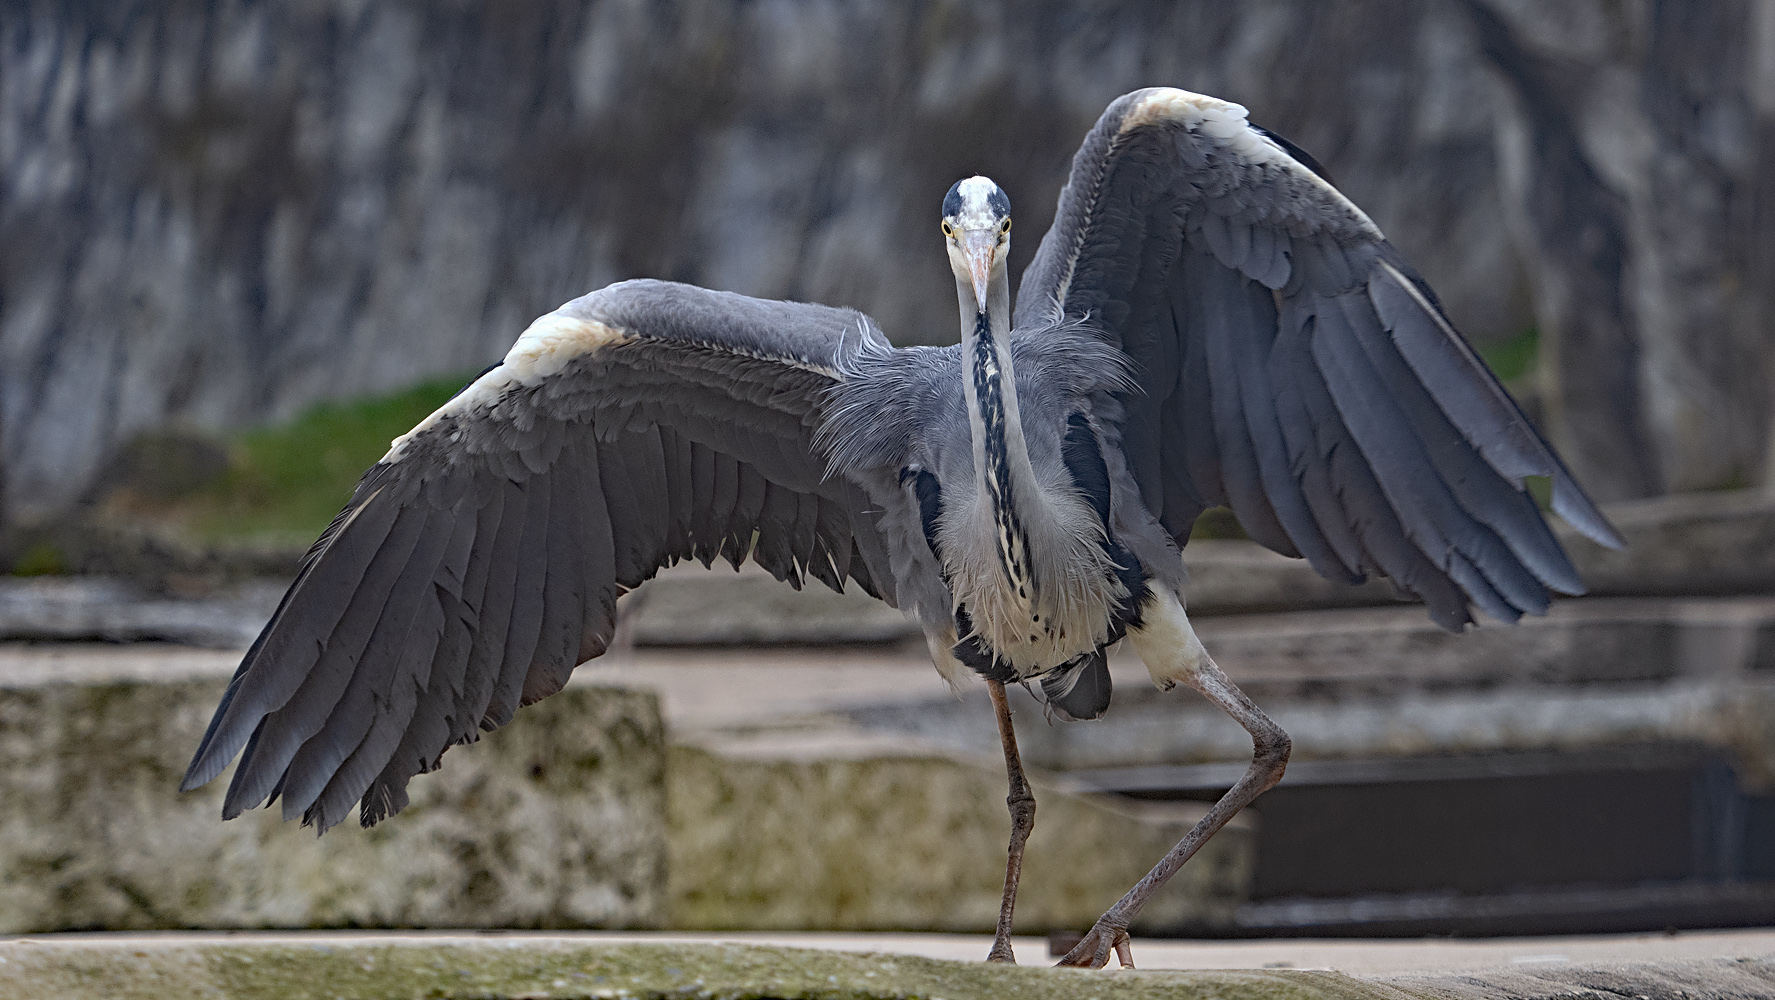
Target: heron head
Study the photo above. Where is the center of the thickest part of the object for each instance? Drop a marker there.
(977, 229)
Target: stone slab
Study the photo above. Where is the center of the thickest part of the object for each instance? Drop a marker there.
(1693, 544)
(918, 842)
(1690, 544)
(572, 816)
(117, 609)
(1687, 543)
(558, 822)
(329, 966)
(1382, 682)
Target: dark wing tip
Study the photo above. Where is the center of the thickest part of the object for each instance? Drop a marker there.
(1571, 503)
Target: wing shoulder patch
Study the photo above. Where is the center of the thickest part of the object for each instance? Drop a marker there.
(1229, 127)
(544, 348)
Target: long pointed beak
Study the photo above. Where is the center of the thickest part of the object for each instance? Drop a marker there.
(977, 246)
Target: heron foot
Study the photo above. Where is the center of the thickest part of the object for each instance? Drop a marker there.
(1092, 951)
(1001, 952)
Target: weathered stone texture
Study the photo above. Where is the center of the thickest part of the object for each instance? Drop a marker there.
(918, 843)
(556, 821)
(213, 214)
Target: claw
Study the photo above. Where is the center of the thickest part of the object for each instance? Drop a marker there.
(1092, 951)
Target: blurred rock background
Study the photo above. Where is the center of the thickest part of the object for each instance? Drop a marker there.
(216, 214)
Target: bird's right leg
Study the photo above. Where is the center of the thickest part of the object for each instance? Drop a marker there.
(1022, 804)
(1172, 653)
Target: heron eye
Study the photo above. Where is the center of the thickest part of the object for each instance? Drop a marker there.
(1005, 229)
(948, 230)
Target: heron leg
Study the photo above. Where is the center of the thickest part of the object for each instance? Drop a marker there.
(1189, 663)
(1022, 804)
(1270, 746)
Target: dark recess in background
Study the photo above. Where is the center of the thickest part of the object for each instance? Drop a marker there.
(1628, 839)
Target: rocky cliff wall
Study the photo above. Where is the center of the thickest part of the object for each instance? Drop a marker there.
(216, 213)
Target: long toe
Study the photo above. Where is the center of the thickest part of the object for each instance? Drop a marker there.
(1092, 951)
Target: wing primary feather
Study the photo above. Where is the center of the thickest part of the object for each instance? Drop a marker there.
(1479, 587)
(704, 518)
(283, 731)
(1241, 328)
(803, 533)
(1370, 514)
(598, 550)
(733, 545)
(1433, 518)
(320, 596)
(832, 556)
(742, 524)
(1239, 459)
(617, 485)
(428, 735)
(493, 615)
(380, 679)
(525, 627)
(1309, 464)
(776, 527)
(679, 493)
(565, 587)
(1471, 396)
(412, 673)
(1488, 497)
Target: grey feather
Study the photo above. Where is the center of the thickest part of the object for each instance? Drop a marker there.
(319, 597)
(493, 613)
(285, 729)
(1081, 691)
(524, 628)
(428, 736)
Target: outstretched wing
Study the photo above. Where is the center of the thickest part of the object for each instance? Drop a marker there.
(1294, 367)
(480, 560)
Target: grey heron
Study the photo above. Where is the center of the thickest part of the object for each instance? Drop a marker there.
(1208, 321)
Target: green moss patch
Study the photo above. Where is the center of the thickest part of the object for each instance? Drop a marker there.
(1513, 358)
(292, 478)
(277, 484)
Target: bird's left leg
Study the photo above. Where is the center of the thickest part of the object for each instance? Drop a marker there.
(1022, 804)
(1173, 653)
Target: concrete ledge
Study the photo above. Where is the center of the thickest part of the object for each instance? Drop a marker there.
(919, 843)
(296, 968)
(1692, 544)
(557, 822)
(576, 815)
(1385, 683)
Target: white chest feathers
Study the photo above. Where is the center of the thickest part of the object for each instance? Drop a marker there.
(1031, 576)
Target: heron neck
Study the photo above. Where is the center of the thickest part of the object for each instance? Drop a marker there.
(1002, 470)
